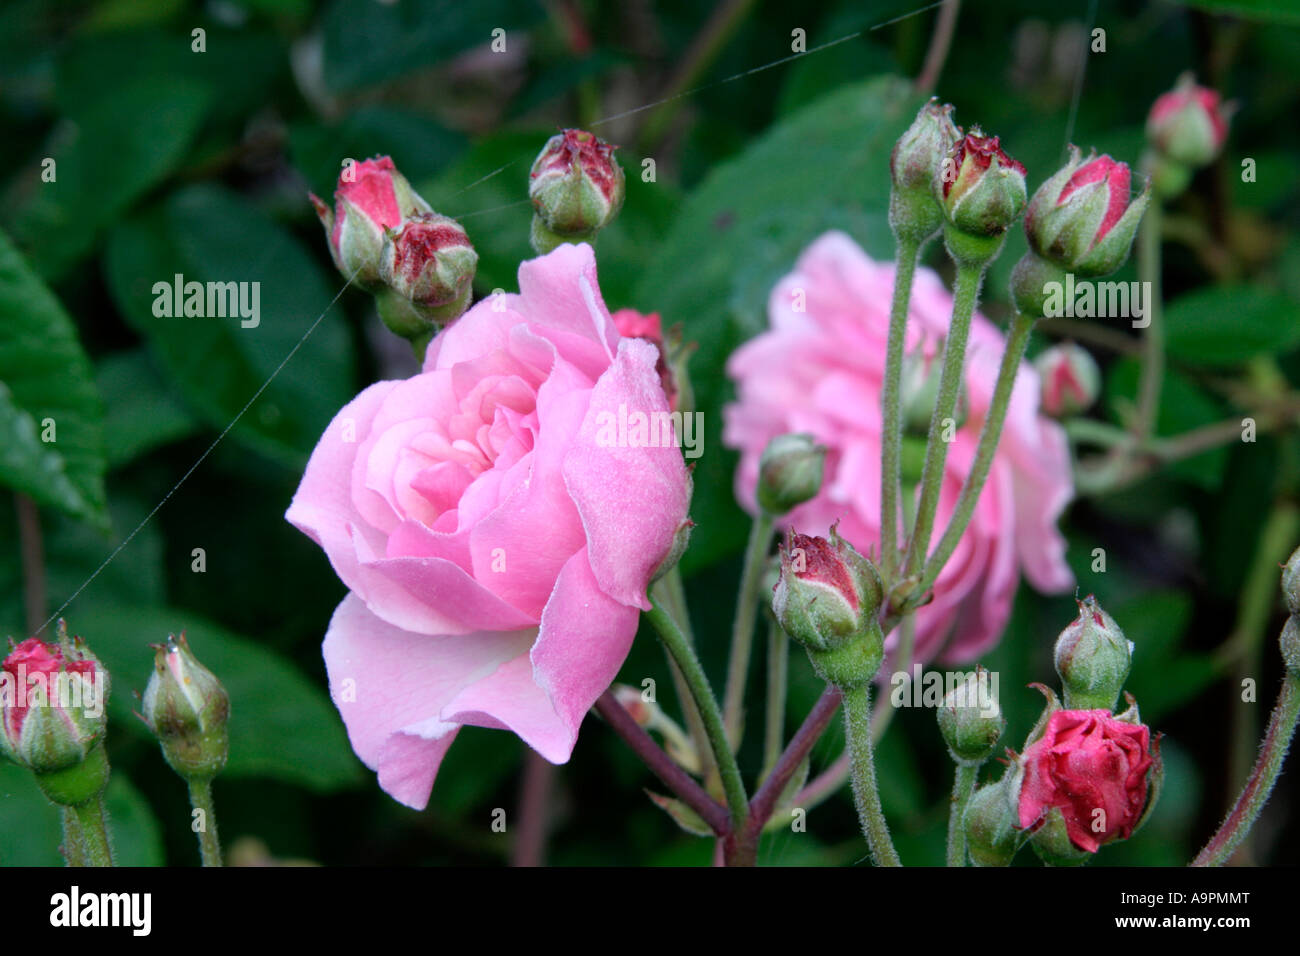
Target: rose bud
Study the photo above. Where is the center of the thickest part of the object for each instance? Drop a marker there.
(429, 264)
(982, 192)
(372, 197)
(1082, 219)
(54, 718)
(992, 822)
(1189, 124)
(1070, 380)
(651, 717)
(971, 720)
(1051, 841)
(1291, 582)
(187, 709)
(1093, 658)
(828, 599)
(577, 188)
(1094, 770)
(918, 155)
(789, 472)
(1290, 644)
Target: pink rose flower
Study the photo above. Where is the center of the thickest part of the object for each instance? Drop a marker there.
(1086, 761)
(497, 551)
(820, 370)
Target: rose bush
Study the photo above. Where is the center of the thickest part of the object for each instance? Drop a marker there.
(496, 550)
(819, 370)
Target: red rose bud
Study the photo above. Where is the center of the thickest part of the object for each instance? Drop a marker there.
(577, 188)
(1094, 770)
(982, 192)
(187, 709)
(429, 264)
(372, 197)
(53, 719)
(915, 162)
(1069, 378)
(1189, 124)
(971, 720)
(1082, 218)
(1093, 658)
(789, 472)
(828, 599)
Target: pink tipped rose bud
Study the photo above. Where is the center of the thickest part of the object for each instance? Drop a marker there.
(1189, 124)
(372, 197)
(981, 188)
(1083, 218)
(1070, 380)
(429, 262)
(1091, 767)
(971, 719)
(187, 709)
(827, 593)
(915, 162)
(54, 715)
(789, 472)
(577, 188)
(1093, 658)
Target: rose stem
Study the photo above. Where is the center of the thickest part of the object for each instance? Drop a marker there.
(891, 411)
(652, 755)
(742, 630)
(1153, 342)
(963, 785)
(965, 292)
(778, 660)
(857, 719)
(534, 811)
(201, 799)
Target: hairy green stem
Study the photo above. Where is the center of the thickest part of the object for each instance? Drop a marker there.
(73, 850)
(866, 796)
(778, 661)
(1281, 728)
(963, 785)
(1153, 343)
(990, 435)
(95, 847)
(891, 409)
(698, 683)
(742, 628)
(965, 292)
(672, 594)
(201, 799)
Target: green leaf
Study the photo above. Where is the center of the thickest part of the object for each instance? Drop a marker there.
(206, 233)
(1223, 325)
(31, 828)
(824, 167)
(366, 42)
(46, 382)
(682, 815)
(105, 160)
(142, 413)
(281, 725)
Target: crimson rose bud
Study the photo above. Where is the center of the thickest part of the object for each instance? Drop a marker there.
(982, 192)
(577, 188)
(429, 263)
(1189, 124)
(372, 197)
(1093, 658)
(1082, 218)
(1092, 768)
(828, 599)
(1069, 378)
(789, 472)
(187, 709)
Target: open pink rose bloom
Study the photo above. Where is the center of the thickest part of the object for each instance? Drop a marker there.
(496, 550)
(819, 369)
